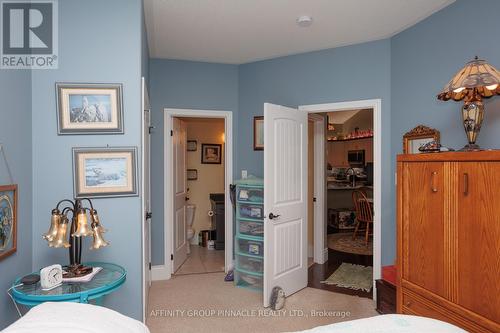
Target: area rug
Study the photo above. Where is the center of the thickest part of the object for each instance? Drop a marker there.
(356, 277)
(343, 242)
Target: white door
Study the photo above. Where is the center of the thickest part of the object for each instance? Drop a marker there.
(180, 192)
(146, 232)
(285, 200)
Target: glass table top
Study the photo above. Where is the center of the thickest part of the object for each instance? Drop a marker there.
(108, 277)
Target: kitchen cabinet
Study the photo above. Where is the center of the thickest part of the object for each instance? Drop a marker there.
(448, 232)
(337, 151)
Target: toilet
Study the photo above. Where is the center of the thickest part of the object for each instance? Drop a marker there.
(190, 210)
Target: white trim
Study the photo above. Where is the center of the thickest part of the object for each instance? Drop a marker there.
(145, 106)
(159, 272)
(320, 190)
(168, 187)
(376, 105)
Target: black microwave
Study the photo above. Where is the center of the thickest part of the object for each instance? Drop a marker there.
(356, 158)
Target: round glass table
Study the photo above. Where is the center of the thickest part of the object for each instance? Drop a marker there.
(108, 280)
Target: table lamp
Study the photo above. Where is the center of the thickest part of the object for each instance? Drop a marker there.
(477, 80)
(59, 236)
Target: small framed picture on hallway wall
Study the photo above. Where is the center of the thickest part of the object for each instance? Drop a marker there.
(211, 153)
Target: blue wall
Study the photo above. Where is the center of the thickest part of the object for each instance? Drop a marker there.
(99, 41)
(15, 136)
(186, 85)
(144, 48)
(335, 75)
(426, 56)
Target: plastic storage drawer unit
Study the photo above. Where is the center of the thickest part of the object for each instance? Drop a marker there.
(250, 264)
(251, 228)
(248, 280)
(249, 211)
(250, 246)
(250, 194)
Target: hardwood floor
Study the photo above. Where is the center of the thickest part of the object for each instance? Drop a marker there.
(318, 273)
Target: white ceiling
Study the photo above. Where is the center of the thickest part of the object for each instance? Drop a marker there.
(241, 31)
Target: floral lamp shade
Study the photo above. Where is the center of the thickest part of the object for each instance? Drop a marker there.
(477, 77)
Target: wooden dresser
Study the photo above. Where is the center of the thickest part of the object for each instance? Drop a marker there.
(448, 234)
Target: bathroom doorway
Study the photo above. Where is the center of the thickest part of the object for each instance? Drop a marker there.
(198, 211)
(204, 200)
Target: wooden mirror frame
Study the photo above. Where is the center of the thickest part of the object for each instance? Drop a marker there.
(419, 132)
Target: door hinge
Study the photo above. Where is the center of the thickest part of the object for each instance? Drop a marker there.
(149, 215)
(149, 266)
(150, 129)
(314, 199)
(171, 257)
(171, 133)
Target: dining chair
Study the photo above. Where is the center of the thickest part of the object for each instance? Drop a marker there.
(363, 213)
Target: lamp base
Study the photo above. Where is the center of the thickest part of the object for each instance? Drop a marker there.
(76, 271)
(471, 147)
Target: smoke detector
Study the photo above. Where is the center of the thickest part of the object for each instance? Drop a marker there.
(304, 21)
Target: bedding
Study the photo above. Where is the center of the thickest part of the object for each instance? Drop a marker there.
(66, 317)
(392, 323)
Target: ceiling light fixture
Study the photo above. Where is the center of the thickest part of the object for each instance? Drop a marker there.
(304, 21)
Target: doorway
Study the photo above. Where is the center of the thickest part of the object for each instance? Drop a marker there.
(324, 267)
(178, 179)
(203, 159)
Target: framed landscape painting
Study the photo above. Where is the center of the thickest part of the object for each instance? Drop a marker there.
(89, 108)
(105, 172)
(8, 220)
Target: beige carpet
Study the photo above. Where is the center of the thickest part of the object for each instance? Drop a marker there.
(203, 303)
(343, 242)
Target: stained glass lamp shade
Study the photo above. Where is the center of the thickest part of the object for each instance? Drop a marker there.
(477, 80)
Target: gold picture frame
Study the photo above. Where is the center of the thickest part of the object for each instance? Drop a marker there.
(417, 137)
(8, 220)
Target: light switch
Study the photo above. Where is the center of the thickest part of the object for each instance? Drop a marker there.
(244, 174)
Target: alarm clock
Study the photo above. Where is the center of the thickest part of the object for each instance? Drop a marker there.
(51, 277)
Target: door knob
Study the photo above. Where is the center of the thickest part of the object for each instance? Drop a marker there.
(272, 216)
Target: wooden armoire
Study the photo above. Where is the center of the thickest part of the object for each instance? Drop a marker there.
(448, 238)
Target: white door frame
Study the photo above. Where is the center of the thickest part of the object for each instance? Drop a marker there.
(376, 105)
(165, 272)
(320, 251)
(145, 106)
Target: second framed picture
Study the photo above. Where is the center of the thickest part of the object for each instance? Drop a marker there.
(89, 108)
(105, 172)
(211, 153)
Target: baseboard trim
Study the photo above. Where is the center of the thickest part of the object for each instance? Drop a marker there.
(159, 272)
(325, 255)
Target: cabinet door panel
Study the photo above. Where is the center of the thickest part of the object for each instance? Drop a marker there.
(479, 238)
(337, 155)
(423, 225)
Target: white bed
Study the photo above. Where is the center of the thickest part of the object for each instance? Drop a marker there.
(389, 324)
(67, 317)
